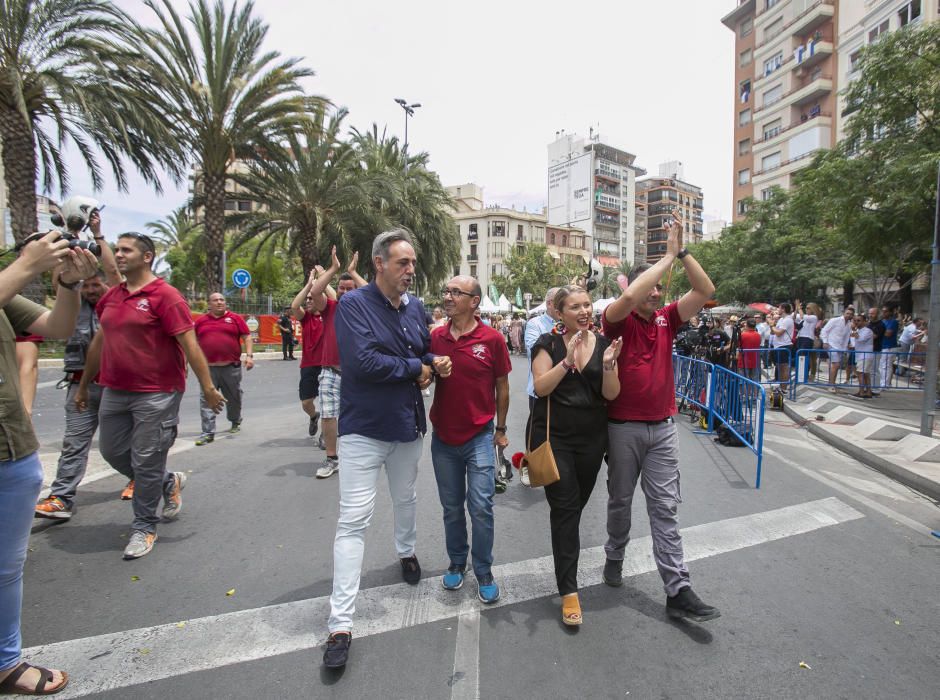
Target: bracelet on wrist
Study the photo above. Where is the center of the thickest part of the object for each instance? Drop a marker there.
(567, 366)
(610, 367)
(70, 285)
(500, 428)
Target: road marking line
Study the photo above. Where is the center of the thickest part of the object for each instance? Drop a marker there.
(790, 442)
(893, 491)
(97, 468)
(465, 681)
(920, 528)
(46, 385)
(121, 659)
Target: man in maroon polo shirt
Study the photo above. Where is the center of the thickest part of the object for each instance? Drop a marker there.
(220, 334)
(330, 375)
(140, 354)
(644, 443)
(311, 338)
(464, 437)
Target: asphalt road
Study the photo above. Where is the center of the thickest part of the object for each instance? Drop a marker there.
(829, 564)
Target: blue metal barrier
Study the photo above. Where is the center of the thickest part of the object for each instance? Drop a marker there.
(693, 380)
(841, 369)
(728, 398)
(739, 404)
(771, 369)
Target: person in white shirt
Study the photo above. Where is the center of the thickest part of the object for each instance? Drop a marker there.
(911, 334)
(835, 339)
(783, 333)
(806, 334)
(863, 339)
(764, 329)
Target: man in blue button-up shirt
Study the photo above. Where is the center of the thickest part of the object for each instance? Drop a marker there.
(383, 345)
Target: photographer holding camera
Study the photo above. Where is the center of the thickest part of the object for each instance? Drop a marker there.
(80, 426)
(20, 470)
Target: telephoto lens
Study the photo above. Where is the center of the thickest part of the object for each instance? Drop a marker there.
(91, 246)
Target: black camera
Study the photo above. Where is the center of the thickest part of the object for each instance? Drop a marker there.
(74, 242)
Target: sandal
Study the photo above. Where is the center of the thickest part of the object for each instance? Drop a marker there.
(571, 610)
(8, 686)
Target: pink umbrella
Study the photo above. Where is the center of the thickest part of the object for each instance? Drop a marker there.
(762, 307)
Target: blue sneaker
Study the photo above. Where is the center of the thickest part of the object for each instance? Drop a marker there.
(453, 579)
(488, 590)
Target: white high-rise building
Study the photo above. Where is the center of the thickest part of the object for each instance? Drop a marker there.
(592, 186)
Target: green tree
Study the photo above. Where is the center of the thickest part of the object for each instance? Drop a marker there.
(533, 270)
(180, 241)
(221, 96)
(306, 192)
(53, 91)
(778, 252)
(876, 189)
(404, 192)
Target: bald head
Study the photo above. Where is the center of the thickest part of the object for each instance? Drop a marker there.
(550, 302)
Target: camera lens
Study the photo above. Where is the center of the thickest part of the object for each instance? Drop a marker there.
(91, 246)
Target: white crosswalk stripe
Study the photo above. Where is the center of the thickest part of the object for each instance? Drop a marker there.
(123, 659)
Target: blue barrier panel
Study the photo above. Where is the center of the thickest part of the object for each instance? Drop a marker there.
(739, 403)
(859, 372)
(774, 365)
(692, 379)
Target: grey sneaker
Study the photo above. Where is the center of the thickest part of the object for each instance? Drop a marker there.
(140, 544)
(329, 468)
(524, 476)
(172, 500)
(321, 443)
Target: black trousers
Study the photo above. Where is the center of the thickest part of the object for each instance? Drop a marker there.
(287, 345)
(578, 467)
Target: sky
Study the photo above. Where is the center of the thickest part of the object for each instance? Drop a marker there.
(497, 80)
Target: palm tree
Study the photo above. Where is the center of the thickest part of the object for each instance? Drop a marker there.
(53, 92)
(404, 192)
(308, 194)
(180, 242)
(222, 98)
(177, 228)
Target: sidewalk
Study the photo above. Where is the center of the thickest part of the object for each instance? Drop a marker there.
(883, 432)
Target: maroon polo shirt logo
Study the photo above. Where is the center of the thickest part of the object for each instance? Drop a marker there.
(479, 351)
(143, 304)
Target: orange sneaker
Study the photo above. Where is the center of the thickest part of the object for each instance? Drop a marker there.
(53, 507)
(128, 492)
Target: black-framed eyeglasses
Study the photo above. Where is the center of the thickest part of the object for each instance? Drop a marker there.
(455, 293)
(145, 239)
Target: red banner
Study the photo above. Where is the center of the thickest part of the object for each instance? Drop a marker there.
(264, 328)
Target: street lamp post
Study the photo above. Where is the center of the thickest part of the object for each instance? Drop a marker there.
(409, 112)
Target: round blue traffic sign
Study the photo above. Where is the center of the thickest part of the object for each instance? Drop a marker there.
(241, 278)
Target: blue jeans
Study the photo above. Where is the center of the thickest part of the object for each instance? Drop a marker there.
(20, 483)
(467, 473)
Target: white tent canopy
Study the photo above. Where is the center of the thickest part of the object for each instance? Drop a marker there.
(535, 311)
(602, 304)
(503, 304)
(487, 306)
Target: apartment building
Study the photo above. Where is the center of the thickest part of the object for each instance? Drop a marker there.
(233, 203)
(665, 194)
(786, 83)
(863, 23)
(489, 234)
(592, 186)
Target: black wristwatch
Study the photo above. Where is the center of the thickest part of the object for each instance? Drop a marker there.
(70, 285)
(682, 253)
(500, 428)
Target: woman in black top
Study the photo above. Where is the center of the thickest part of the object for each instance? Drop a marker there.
(575, 369)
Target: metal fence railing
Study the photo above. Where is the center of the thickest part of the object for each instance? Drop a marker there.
(727, 401)
(862, 372)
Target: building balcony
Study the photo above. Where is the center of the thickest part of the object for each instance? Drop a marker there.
(605, 207)
(813, 91)
(608, 175)
(784, 168)
(472, 258)
(815, 15)
(810, 120)
(815, 53)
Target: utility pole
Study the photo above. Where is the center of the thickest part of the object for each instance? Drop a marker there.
(933, 330)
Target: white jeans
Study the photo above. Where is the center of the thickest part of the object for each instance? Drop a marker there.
(886, 368)
(361, 459)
